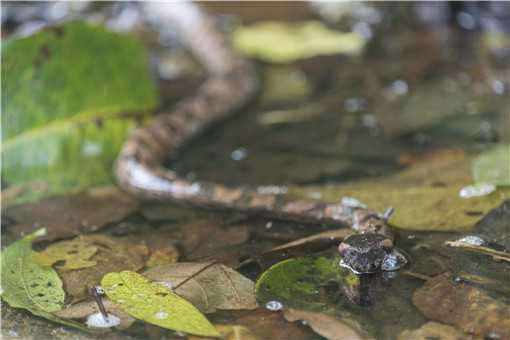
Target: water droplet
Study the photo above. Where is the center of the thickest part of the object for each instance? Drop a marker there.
(161, 315)
(399, 87)
(472, 240)
(274, 306)
(477, 190)
(239, 154)
(498, 87)
(269, 225)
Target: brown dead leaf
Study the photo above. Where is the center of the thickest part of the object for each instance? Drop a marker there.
(162, 256)
(68, 216)
(208, 240)
(217, 287)
(83, 309)
(432, 330)
(463, 306)
(114, 254)
(325, 325)
(230, 332)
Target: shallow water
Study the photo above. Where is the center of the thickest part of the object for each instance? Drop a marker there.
(417, 95)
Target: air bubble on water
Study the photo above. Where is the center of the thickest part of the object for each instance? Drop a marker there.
(399, 87)
(274, 305)
(354, 104)
(239, 154)
(498, 87)
(477, 190)
(97, 320)
(393, 261)
(161, 315)
(472, 240)
(351, 202)
(269, 225)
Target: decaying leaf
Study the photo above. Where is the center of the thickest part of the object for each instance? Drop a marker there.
(156, 304)
(493, 166)
(68, 216)
(325, 325)
(280, 42)
(436, 208)
(216, 287)
(296, 282)
(432, 330)
(29, 285)
(26, 283)
(83, 309)
(113, 254)
(464, 307)
(230, 332)
(494, 226)
(162, 256)
(208, 240)
(74, 254)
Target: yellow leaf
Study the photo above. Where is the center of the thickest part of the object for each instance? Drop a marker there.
(156, 304)
(74, 253)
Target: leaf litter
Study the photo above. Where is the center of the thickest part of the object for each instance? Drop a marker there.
(208, 289)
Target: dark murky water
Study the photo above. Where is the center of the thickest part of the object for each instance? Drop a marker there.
(418, 90)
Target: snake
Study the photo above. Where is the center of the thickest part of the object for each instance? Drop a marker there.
(232, 82)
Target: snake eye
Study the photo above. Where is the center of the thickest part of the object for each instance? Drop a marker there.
(387, 244)
(342, 248)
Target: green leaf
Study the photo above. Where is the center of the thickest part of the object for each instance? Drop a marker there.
(296, 282)
(75, 254)
(279, 42)
(26, 283)
(154, 303)
(493, 166)
(62, 102)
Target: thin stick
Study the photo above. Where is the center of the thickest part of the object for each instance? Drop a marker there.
(195, 274)
(95, 291)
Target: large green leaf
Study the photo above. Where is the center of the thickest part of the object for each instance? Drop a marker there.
(63, 92)
(154, 303)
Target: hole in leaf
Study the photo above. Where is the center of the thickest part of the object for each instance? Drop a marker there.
(34, 285)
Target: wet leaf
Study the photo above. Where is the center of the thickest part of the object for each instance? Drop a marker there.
(494, 226)
(59, 99)
(432, 330)
(436, 208)
(113, 254)
(496, 255)
(463, 306)
(325, 325)
(163, 256)
(83, 309)
(26, 283)
(281, 42)
(296, 282)
(75, 254)
(154, 303)
(230, 332)
(216, 287)
(67, 216)
(493, 166)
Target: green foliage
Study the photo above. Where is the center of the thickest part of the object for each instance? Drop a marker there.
(154, 303)
(27, 284)
(63, 91)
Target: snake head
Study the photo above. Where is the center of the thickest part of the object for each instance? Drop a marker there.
(365, 253)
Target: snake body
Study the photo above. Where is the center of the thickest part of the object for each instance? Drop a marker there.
(232, 82)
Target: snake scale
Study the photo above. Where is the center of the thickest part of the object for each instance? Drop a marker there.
(232, 82)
